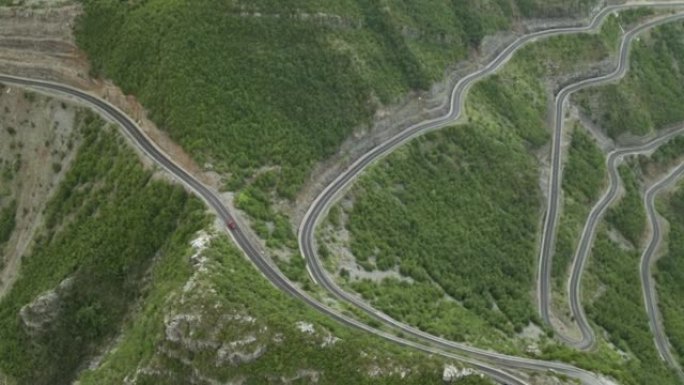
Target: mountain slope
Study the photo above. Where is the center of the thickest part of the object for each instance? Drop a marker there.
(126, 281)
(273, 87)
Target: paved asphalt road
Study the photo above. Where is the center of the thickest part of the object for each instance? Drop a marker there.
(551, 218)
(270, 272)
(648, 287)
(334, 190)
(483, 360)
(597, 212)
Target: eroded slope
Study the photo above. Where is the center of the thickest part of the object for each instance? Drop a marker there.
(38, 136)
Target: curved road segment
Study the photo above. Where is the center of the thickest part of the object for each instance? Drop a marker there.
(597, 212)
(650, 300)
(334, 190)
(213, 201)
(487, 362)
(549, 229)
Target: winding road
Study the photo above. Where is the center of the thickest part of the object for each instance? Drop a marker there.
(488, 362)
(333, 191)
(555, 177)
(132, 131)
(648, 288)
(594, 217)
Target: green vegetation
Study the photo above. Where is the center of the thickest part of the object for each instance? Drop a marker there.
(265, 110)
(629, 216)
(663, 157)
(619, 310)
(105, 225)
(429, 308)
(474, 189)
(648, 98)
(272, 226)
(614, 302)
(116, 245)
(458, 210)
(624, 366)
(9, 170)
(225, 294)
(585, 170)
(669, 151)
(233, 89)
(7, 221)
(253, 201)
(670, 273)
(583, 177)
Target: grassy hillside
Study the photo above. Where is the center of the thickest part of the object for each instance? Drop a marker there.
(662, 158)
(617, 307)
(225, 326)
(450, 210)
(670, 272)
(7, 221)
(457, 211)
(276, 86)
(629, 217)
(112, 272)
(612, 289)
(649, 97)
(583, 176)
(107, 222)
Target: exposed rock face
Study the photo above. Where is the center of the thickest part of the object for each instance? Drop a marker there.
(40, 313)
(37, 316)
(310, 376)
(191, 333)
(181, 328)
(201, 330)
(306, 327)
(228, 355)
(452, 373)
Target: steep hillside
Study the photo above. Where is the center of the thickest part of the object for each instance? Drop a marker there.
(224, 325)
(648, 99)
(269, 88)
(443, 234)
(670, 272)
(296, 84)
(124, 279)
(457, 211)
(613, 299)
(38, 136)
(583, 179)
(100, 232)
(645, 100)
(37, 40)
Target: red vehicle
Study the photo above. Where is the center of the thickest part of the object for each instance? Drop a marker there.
(231, 224)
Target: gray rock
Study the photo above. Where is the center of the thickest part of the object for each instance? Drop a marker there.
(37, 316)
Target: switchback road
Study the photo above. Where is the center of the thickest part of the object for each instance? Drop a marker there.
(552, 212)
(648, 287)
(140, 140)
(615, 157)
(334, 190)
(486, 361)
